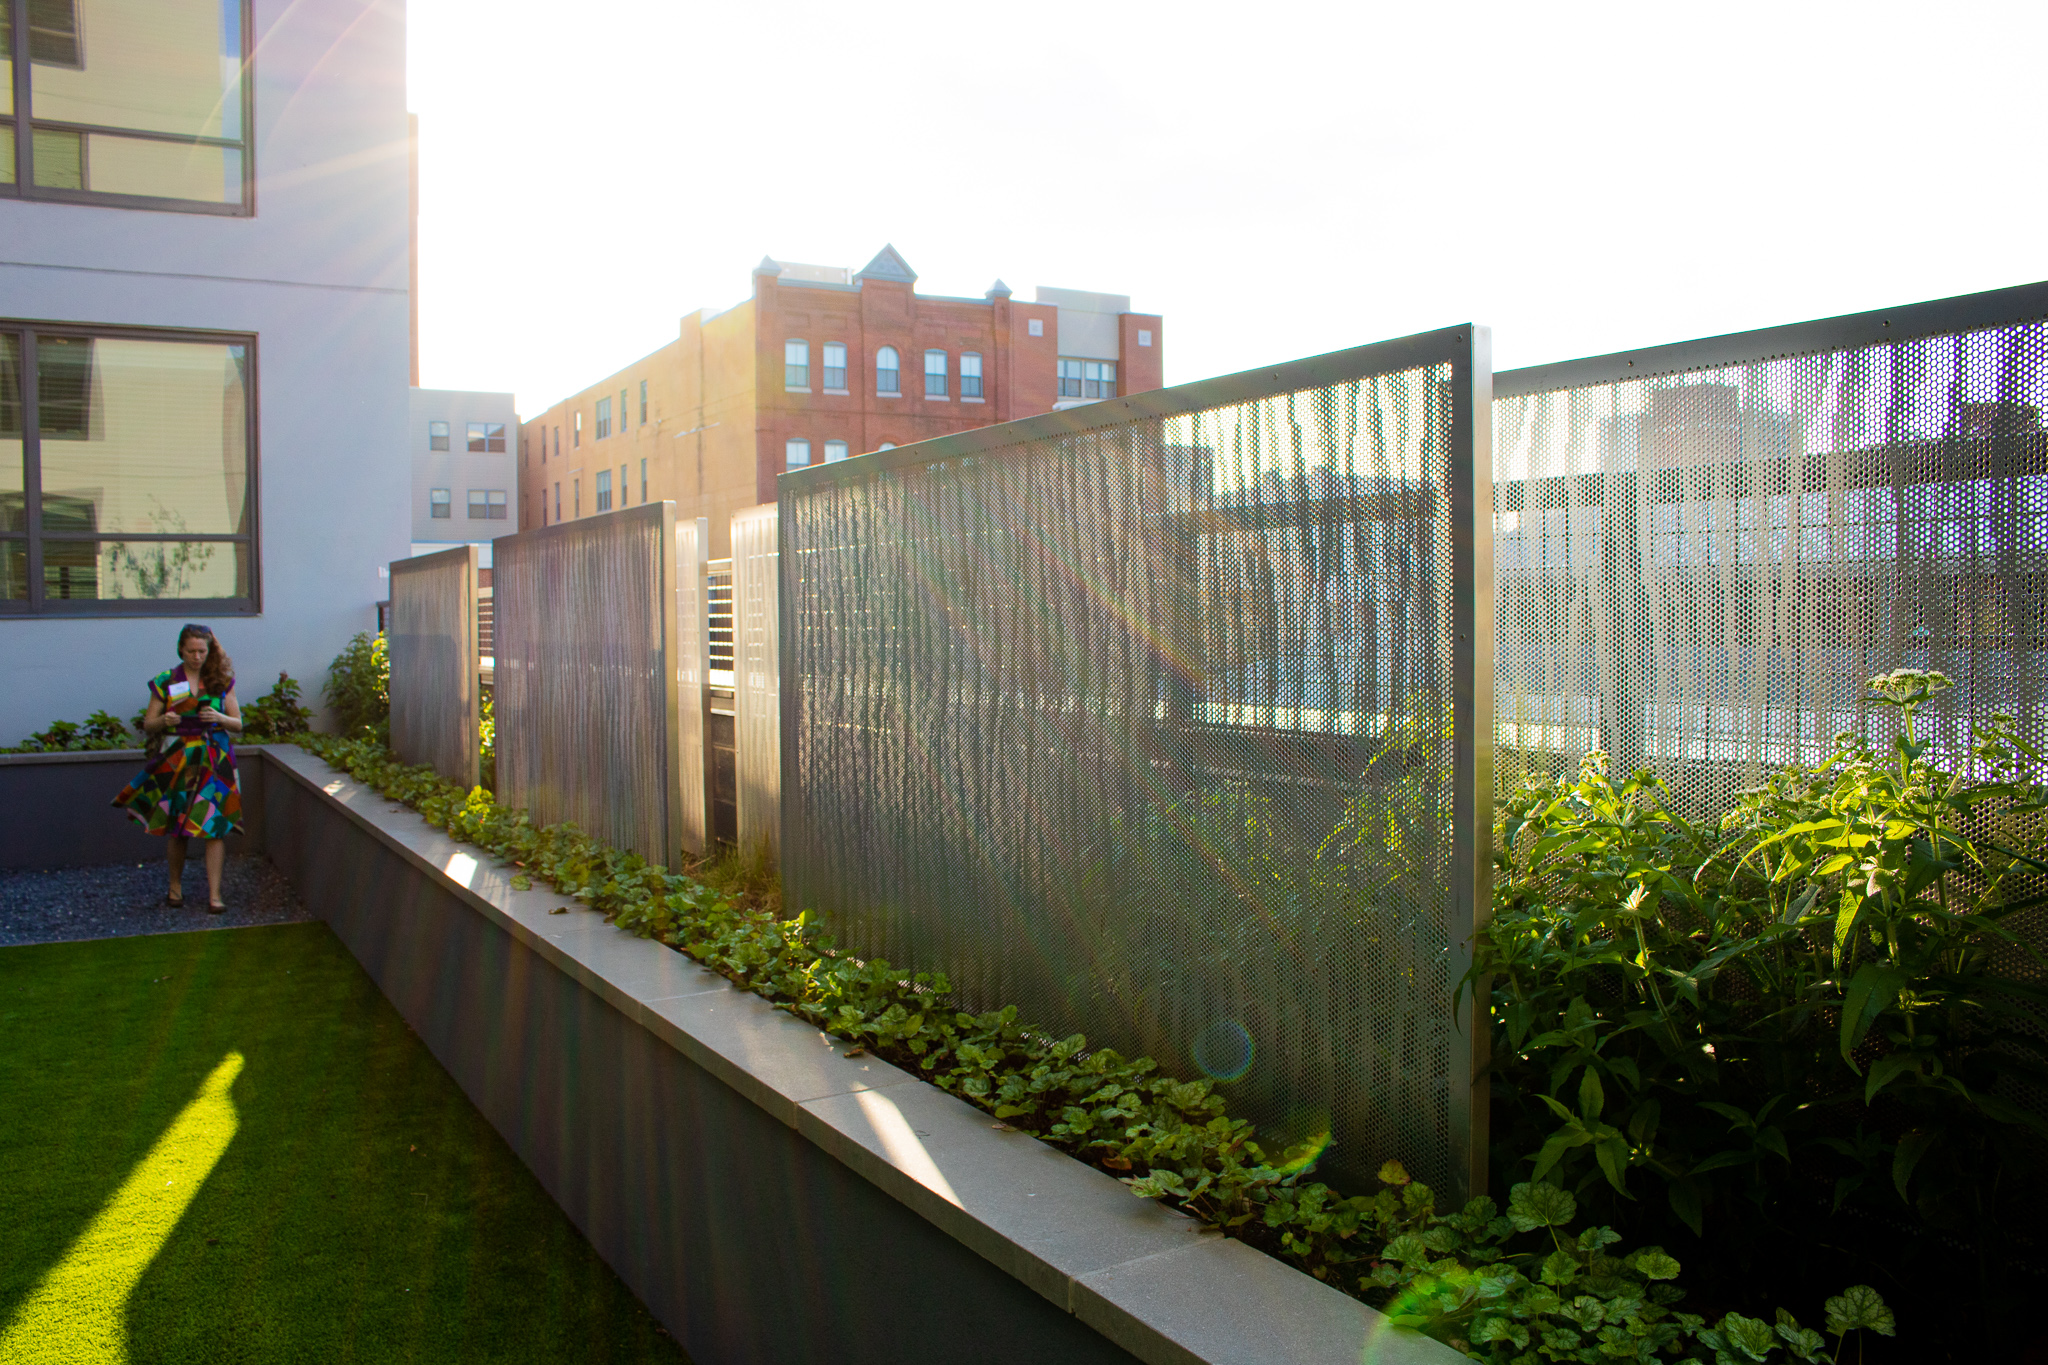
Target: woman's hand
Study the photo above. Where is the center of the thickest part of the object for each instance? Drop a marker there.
(210, 716)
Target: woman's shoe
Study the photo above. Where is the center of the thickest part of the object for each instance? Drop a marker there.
(176, 902)
(216, 907)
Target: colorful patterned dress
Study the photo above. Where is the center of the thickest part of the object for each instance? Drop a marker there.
(191, 790)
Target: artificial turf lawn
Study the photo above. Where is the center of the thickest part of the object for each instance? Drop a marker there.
(341, 1200)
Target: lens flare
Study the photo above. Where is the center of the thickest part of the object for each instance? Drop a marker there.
(1225, 1050)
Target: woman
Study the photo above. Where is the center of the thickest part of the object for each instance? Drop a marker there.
(190, 791)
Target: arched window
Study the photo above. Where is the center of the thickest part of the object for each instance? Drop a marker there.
(970, 375)
(888, 371)
(935, 374)
(797, 453)
(886, 445)
(796, 364)
(834, 450)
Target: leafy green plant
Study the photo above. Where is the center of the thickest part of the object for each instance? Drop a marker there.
(1516, 1285)
(277, 714)
(1167, 1138)
(1741, 1030)
(487, 744)
(358, 688)
(101, 730)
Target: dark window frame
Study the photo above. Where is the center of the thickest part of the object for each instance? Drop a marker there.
(37, 604)
(22, 124)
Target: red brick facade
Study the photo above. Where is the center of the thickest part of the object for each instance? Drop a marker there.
(1019, 371)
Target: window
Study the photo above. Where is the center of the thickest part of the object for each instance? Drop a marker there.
(970, 375)
(602, 487)
(886, 445)
(487, 438)
(1036, 327)
(558, 502)
(643, 408)
(525, 452)
(622, 486)
(835, 366)
(143, 459)
(643, 476)
(604, 418)
(834, 450)
(796, 454)
(935, 374)
(1087, 379)
(796, 365)
(486, 504)
(1144, 337)
(437, 436)
(622, 432)
(888, 371)
(576, 497)
(576, 436)
(439, 504)
(558, 443)
(152, 117)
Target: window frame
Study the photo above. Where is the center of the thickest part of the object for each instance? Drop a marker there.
(796, 373)
(942, 374)
(36, 605)
(601, 491)
(444, 435)
(643, 402)
(843, 450)
(896, 371)
(22, 124)
(979, 391)
(603, 417)
(440, 504)
(789, 446)
(483, 431)
(828, 367)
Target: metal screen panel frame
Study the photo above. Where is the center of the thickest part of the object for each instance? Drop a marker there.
(1454, 497)
(587, 686)
(693, 685)
(757, 675)
(435, 703)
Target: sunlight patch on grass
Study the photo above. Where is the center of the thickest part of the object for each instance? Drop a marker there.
(79, 1310)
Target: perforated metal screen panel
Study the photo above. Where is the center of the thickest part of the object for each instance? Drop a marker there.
(586, 700)
(1147, 719)
(1703, 552)
(433, 653)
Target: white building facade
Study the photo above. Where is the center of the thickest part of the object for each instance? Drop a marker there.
(204, 343)
(465, 486)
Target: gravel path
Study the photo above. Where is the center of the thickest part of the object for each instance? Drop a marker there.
(114, 902)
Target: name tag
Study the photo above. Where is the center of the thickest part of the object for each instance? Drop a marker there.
(180, 690)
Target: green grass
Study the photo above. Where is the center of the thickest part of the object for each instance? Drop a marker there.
(227, 1146)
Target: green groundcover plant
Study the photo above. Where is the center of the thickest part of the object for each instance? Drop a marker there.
(1503, 1287)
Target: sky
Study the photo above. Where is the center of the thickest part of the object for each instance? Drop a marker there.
(1276, 180)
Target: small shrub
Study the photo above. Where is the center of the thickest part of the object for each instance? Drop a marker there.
(277, 714)
(358, 688)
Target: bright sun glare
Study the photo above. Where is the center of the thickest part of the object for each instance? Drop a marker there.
(80, 1308)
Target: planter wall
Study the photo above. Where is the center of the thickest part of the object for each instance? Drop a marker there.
(56, 806)
(769, 1198)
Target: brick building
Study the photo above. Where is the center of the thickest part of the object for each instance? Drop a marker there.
(820, 364)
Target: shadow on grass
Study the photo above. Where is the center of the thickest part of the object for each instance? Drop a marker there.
(363, 1210)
